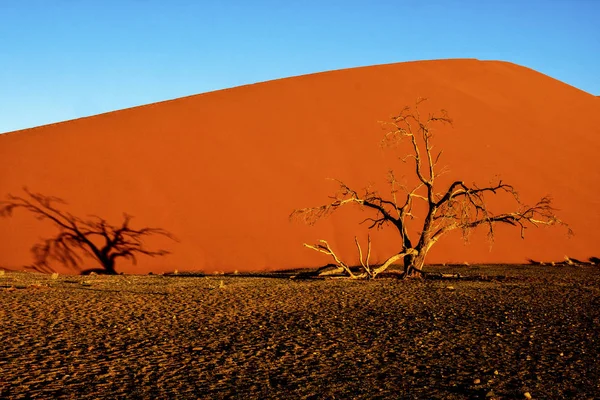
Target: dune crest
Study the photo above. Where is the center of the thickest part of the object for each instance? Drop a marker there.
(223, 170)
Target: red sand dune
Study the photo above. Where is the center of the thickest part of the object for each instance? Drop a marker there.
(223, 170)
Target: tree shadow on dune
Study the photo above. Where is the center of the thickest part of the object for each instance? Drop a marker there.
(93, 237)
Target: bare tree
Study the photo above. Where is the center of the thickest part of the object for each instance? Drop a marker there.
(94, 237)
(457, 207)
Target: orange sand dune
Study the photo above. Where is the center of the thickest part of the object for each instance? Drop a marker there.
(223, 170)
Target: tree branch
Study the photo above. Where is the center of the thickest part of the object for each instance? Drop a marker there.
(323, 247)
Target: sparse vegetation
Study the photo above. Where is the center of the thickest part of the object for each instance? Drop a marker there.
(567, 261)
(458, 206)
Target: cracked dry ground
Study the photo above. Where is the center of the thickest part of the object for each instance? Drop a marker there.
(172, 337)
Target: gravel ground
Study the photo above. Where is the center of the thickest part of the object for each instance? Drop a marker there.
(536, 331)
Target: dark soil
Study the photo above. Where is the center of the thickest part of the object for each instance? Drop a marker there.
(251, 337)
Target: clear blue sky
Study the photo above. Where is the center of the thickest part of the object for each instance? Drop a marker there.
(64, 59)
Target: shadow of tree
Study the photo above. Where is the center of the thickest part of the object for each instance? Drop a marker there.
(94, 237)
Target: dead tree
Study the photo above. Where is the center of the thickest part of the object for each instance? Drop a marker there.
(93, 237)
(457, 207)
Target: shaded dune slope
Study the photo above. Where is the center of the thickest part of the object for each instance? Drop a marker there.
(223, 170)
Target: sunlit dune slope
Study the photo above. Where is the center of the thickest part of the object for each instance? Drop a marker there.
(223, 170)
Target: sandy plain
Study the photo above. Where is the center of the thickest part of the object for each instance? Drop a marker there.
(524, 329)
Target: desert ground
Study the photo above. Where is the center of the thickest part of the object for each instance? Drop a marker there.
(514, 330)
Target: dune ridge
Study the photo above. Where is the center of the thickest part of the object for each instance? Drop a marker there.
(223, 170)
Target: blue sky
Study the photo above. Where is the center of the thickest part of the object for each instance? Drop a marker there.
(65, 59)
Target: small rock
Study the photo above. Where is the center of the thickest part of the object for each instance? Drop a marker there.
(476, 381)
(490, 394)
(35, 286)
(527, 395)
(450, 288)
(496, 372)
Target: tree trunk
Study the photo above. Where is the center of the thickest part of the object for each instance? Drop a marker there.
(413, 265)
(109, 265)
